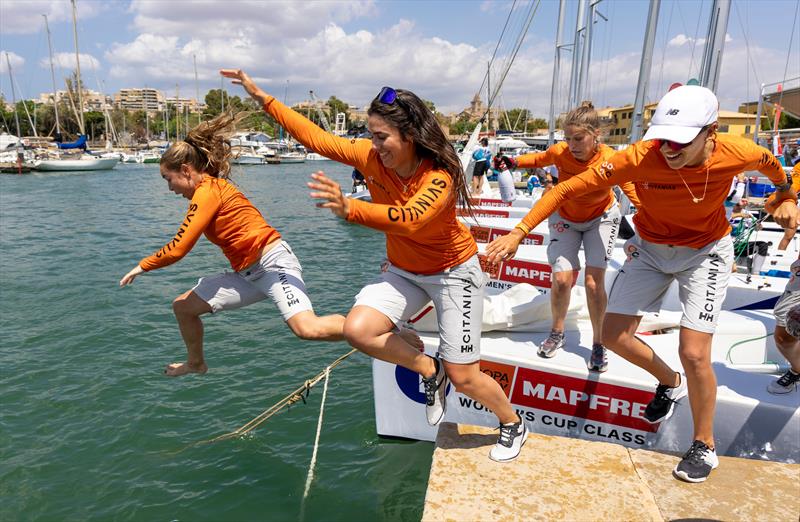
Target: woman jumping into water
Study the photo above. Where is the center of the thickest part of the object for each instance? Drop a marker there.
(415, 179)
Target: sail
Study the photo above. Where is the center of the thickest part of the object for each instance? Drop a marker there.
(80, 143)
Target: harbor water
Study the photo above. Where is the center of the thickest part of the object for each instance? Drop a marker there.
(91, 428)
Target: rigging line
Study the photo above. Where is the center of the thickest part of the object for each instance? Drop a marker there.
(292, 398)
(664, 49)
(311, 466)
(694, 41)
(750, 60)
(521, 38)
(789, 50)
(499, 40)
(607, 45)
(505, 51)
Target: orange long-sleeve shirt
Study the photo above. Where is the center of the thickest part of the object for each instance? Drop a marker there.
(579, 208)
(423, 235)
(667, 214)
(227, 218)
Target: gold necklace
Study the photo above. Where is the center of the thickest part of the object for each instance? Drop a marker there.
(695, 199)
(405, 185)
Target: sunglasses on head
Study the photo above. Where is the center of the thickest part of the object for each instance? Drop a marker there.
(387, 95)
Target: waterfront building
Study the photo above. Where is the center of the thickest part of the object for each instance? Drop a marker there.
(620, 119)
(147, 99)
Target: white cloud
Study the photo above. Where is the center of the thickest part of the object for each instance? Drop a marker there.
(25, 16)
(16, 60)
(67, 61)
(258, 19)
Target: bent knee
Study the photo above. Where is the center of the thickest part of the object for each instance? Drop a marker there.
(190, 304)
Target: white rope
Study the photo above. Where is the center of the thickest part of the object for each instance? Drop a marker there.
(316, 441)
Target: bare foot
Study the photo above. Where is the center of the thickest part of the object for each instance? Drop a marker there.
(410, 336)
(178, 369)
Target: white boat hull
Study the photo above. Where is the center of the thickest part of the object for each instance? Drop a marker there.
(559, 396)
(76, 165)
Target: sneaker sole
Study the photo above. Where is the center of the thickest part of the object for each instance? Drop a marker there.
(517, 455)
(547, 356)
(783, 391)
(598, 369)
(686, 478)
(671, 409)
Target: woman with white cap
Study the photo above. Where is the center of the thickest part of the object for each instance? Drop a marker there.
(682, 172)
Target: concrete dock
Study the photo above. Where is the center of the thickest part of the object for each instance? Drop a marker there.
(557, 478)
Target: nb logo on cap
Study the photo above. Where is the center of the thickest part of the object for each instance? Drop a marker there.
(673, 112)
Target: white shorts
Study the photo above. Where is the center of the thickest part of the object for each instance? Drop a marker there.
(702, 274)
(457, 295)
(597, 235)
(790, 297)
(277, 274)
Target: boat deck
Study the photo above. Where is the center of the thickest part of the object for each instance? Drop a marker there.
(558, 478)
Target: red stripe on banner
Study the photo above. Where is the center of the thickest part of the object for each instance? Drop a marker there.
(586, 399)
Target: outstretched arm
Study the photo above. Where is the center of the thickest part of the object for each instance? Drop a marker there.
(351, 152)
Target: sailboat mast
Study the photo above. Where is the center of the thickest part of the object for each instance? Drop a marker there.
(715, 42)
(575, 73)
(78, 67)
(644, 70)
(586, 52)
(196, 92)
(13, 97)
(52, 75)
(562, 5)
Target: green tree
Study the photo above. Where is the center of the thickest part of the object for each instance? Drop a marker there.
(430, 105)
(462, 126)
(214, 99)
(336, 106)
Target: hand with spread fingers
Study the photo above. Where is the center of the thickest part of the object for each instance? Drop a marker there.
(239, 77)
(331, 193)
(504, 247)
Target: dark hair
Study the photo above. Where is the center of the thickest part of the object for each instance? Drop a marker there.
(415, 121)
(206, 148)
(485, 142)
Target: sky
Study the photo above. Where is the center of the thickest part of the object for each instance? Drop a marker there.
(351, 48)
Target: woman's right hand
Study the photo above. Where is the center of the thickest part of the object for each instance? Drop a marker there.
(504, 247)
(240, 77)
(130, 276)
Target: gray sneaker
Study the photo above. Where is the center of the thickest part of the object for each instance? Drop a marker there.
(598, 362)
(787, 383)
(553, 343)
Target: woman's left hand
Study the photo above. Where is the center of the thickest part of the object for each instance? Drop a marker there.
(787, 215)
(331, 193)
(130, 276)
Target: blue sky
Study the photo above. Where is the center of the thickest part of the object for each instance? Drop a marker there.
(350, 49)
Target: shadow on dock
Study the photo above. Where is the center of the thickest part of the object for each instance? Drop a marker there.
(558, 478)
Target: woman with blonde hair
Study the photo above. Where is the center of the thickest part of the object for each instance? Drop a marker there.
(590, 219)
(682, 170)
(264, 265)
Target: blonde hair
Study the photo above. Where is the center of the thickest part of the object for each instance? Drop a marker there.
(206, 148)
(584, 117)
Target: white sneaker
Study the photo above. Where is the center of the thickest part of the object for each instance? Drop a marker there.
(435, 389)
(509, 443)
(697, 463)
(787, 383)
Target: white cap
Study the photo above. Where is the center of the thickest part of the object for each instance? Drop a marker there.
(681, 113)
